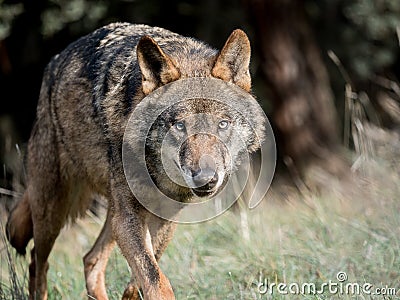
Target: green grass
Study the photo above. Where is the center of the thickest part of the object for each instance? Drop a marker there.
(291, 238)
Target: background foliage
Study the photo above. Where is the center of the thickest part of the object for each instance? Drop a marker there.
(362, 33)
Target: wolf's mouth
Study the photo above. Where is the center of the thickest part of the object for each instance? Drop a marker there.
(199, 192)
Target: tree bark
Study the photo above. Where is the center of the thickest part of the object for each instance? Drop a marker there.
(303, 115)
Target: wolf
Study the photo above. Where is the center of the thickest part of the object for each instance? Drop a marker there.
(74, 154)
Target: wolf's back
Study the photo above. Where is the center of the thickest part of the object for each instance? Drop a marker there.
(107, 58)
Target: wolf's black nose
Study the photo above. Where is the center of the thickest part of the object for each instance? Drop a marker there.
(205, 179)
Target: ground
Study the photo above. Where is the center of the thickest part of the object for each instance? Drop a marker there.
(348, 235)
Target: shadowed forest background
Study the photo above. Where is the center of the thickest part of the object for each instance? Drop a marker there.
(304, 55)
(327, 74)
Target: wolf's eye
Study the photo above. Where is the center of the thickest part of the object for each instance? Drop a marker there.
(180, 126)
(223, 124)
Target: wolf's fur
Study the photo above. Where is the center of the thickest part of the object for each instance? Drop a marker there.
(74, 153)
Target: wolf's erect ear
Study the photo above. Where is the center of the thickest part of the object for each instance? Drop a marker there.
(157, 67)
(233, 61)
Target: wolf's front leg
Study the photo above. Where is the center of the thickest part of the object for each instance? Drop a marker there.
(133, 237)
(95, 262)
(161, 232)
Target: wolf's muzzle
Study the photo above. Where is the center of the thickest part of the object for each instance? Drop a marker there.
(205, 179)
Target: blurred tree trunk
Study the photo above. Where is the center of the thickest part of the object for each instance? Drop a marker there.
(303, 115)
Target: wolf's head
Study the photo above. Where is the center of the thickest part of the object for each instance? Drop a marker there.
(194, 145)
(197, 144)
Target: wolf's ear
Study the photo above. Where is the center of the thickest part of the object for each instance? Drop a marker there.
(233, 61)
(157, 68)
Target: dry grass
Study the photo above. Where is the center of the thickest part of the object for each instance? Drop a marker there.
(291, 238)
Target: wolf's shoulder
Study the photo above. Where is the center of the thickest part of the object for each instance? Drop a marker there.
(119, 32)
(119, 35)
(120, 39)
